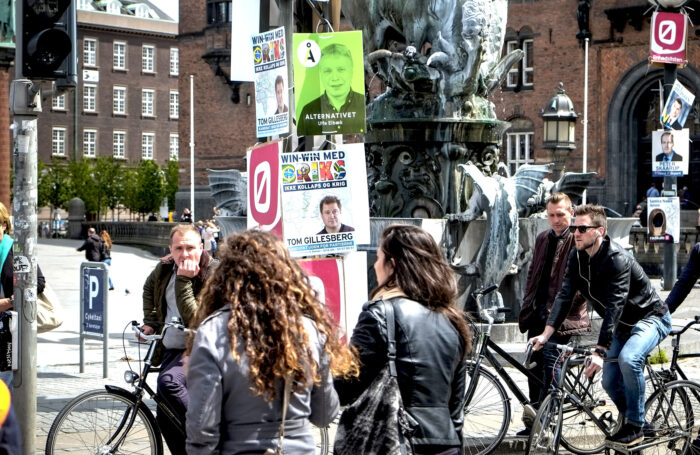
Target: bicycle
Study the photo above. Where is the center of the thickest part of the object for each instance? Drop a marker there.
(116, 420)
(669, 411)
(487, 410)
(674, 371)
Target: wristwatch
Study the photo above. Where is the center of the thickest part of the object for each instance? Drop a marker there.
(601, 352)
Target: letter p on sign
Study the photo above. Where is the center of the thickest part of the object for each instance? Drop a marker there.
(94, 289)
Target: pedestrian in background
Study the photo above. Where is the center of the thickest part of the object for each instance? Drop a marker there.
(92, 246)
(259, 324)
(106, 254)
(432, 338)
(652, 191)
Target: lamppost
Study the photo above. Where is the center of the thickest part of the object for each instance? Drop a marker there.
(559, 129)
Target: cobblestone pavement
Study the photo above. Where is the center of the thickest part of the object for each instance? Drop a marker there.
(59, 379)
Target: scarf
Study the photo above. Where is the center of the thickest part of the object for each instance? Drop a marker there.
(388, 293)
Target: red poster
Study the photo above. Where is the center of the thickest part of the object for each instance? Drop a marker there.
(264, 210)
(327, 280)
(668, 32)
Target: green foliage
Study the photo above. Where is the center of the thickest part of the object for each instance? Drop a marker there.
(82, 184)
(171, 170)
(53, 185)
(658, 357)
(108, 182)
(150, 190)
(129, 195)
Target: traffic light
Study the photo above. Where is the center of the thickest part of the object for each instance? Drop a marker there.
(49, 40)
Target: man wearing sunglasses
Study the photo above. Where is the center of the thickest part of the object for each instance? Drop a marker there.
(635, 319)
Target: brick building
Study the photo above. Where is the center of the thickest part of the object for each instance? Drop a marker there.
(126, 104)
(623, 93)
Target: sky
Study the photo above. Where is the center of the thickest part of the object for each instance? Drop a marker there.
(169, 7)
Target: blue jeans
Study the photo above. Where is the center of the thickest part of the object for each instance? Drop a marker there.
(624, 380)
(109, 277)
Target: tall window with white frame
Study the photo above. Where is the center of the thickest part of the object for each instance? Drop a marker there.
(119, 56)
(148, 101)
(119, 144)
(519, 149)
(148, 59)
(522, 74)
(89, 52)
(174, 61)
(58, 141)
(89, 143)
(147, 145)
(119, 100)
(174, 146)
(174, 104)
(58, 102)
(89, 98)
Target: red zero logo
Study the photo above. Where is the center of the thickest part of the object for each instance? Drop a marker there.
(667, 32)
(263, 191)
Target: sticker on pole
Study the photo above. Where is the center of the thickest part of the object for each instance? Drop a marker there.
(668, 32)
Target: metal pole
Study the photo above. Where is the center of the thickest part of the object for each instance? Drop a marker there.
(670, 255)
(192, 147)
(585, 114)
(24, 211)
(286, 8)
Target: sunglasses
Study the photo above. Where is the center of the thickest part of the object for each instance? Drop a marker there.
(583, 228)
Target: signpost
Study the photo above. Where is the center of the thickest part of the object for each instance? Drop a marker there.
(93, 310)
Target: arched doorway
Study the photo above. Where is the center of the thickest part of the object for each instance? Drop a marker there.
(633, 114)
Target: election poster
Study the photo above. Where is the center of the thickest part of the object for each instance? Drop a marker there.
(677, 107)
(329, 83)
(670, 153)
(327, 279)
(664, 222)
(241, 30)
(271, 85)
(668, 36)
(264, 210)
(325, 205)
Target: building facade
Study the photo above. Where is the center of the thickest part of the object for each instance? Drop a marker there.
(623, 99)
(127, 102)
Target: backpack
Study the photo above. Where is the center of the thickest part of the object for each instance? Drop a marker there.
(103, 251)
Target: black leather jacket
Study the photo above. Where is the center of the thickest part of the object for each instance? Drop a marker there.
(614, 283)
(689, 276)
(430, 363)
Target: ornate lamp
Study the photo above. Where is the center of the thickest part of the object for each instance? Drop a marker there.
(559, 128)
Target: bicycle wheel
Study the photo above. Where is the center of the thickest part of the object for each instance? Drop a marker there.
(546, 429)
(486, 414)
(671, 411)
(91, 422)
(585, 423)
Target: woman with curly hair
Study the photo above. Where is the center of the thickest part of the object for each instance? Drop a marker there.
(259, 324)
(432, 338)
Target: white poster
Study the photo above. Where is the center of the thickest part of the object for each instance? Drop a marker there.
(670, 153)
(245, 20)
(664, 222)
(271, 84)
(677, 107)
(325, 207)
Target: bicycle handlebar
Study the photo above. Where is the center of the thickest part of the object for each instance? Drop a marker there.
(158, 336)
(484, 291)
(687, 326)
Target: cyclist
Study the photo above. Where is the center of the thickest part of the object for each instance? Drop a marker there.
(544, 280)
(635, 319)
(171, 290)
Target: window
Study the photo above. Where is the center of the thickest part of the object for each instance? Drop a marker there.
(522, 74)
(148, 56)
(113, 7)
(519, 149)
(174, 104)
(89, 52)
(85, 4)
(58, 141)
(218, 12)
(147, 102)
(119, 144)
(174, 61)
(58, 102)
(89, 96)
(89, 143)
(119, 100)
(119, 57)
(174, 146)
(147, 145)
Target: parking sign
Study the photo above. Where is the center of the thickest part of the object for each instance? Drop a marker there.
(668, 31)
(93, 300)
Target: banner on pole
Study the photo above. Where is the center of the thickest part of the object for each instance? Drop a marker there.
(664, 223)
(264, 210)
(244, 23)
(678, 105)
(670, 153)
(271, 85)
(668, 32)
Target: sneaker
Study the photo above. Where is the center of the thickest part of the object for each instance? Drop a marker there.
(649, 430)
(524, 433)
(627, 435)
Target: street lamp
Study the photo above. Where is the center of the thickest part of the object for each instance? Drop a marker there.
(559, 128)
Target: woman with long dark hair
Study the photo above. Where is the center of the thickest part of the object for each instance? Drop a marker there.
(259, 323)
(432, 338)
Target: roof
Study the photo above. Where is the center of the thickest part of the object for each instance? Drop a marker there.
(127, 8)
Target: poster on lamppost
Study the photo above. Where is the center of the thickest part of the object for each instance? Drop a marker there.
(664, 219)
(271, 84)
(264, 209)
(677, 107)
(325, 207)
(668, 36)
(241, 29)
(670, 153)
(329, 83)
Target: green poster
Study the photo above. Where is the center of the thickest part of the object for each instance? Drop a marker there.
(329, 83)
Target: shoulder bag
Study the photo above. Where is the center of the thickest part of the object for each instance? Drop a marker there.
(285, 405)
(48, 311)
(377, 423)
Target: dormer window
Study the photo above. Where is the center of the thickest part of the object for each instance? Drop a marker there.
(114, 7)
(85, 5)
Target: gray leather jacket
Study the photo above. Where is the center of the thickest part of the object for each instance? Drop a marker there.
(224, 416)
